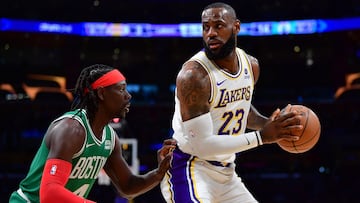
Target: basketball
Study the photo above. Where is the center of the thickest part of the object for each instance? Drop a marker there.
(310, 134)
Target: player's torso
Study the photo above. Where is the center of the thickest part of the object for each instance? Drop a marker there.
(87, 163)
(231, 96)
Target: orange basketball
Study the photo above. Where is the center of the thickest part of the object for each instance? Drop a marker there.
(310, 134)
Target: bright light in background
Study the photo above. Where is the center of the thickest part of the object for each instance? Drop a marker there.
(296, 49)
(146, 30)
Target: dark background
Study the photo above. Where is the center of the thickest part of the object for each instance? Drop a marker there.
(327, 173)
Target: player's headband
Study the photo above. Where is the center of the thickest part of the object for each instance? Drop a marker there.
(109, 78)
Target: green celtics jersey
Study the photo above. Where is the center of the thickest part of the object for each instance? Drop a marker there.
(86, 164)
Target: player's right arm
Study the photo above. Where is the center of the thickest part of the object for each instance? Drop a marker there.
(193, 91)
(63, 139)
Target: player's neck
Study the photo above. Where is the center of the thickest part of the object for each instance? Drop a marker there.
(98, 124)
(229, 64)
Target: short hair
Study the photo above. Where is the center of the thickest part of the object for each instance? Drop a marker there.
(222, 5)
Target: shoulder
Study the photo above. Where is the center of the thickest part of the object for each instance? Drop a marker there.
(67, 134)
(65, 137)
(67, 128)
(193, 90)
(254, 66)
(192, 73)
(253, 60)
(192, 69)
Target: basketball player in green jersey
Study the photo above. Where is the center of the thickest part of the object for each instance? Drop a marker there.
(78, 144)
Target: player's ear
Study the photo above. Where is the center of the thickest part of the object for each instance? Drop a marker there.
(237, 24)
(100, 93)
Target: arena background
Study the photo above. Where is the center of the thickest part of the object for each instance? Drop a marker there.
(297, 69)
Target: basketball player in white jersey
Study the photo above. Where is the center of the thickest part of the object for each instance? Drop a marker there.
(213, 108)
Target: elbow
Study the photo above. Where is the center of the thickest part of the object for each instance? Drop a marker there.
(126, 191)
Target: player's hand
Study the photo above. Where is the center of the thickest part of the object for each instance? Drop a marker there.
(280, 125)
(165, 155)
(287, 109)
(279, 112)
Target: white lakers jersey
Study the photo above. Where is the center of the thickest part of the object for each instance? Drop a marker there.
(230, 101)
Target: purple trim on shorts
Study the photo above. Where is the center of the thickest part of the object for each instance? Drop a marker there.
(179, 179)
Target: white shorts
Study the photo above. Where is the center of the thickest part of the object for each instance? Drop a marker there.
(193, 180)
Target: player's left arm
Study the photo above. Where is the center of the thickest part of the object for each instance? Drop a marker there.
(63, 139)
(255, 120)
(130, 185)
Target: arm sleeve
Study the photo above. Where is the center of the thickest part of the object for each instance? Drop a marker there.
(55, 175)
(204, 143)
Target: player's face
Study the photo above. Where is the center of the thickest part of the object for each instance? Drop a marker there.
(219, 38)
(118, 99)
(223, 51)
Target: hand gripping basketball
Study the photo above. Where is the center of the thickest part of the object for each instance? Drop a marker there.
(309, 135)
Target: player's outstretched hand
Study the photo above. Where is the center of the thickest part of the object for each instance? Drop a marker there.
(165, 155)
(280, 125)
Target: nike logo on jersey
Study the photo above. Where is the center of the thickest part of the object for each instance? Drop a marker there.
(89, 145)
(220, 83)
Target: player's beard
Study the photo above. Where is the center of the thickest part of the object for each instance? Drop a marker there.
(224, 51)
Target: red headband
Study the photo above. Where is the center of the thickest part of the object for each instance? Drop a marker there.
(109, 78)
